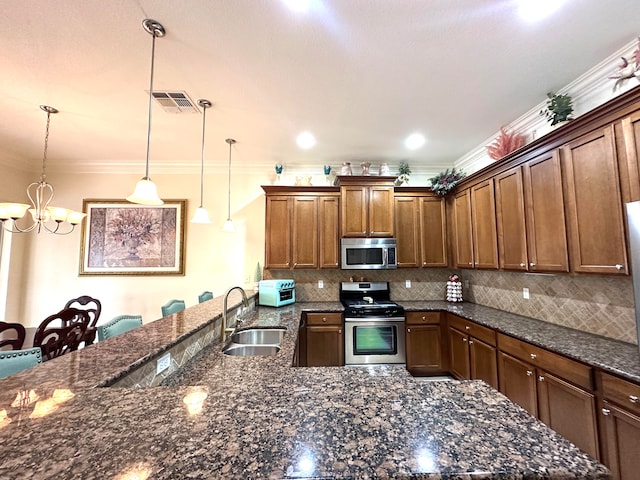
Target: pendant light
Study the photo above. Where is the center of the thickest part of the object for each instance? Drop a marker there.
(146, 192)
(201, 215)
(41, 193)
(228, 225)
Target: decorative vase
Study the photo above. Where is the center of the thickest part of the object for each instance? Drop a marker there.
(346, 169)
(384, 170)
(365, 167)
(326, 169)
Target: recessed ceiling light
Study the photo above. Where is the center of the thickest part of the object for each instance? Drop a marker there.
(414, 141)
(306, 140)
(298, 5)
(532, 10)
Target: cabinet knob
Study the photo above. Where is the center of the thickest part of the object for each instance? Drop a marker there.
(533, 356)
(529, 373)
(424, 318)
(606, 411)
(467, 327)
(470, 342)
(540, 378)
(618, 266)
(532, 264)
(324, 319)
(523, 265)
(464, 340)
(339, 331)
(633, 399)
(408, 330)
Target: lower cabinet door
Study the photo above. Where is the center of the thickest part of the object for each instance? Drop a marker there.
(621, 439)
(484, 362)
(570, 411)
(518, 382)
(423, 349)
(459, 354)
(325, 346)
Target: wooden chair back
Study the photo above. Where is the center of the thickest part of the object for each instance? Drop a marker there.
(12, 335)
(93, 307)
(61, 332)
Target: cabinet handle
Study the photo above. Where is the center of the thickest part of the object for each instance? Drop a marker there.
(533, 356)
(618, 266)
(523, 265)
(529, 373)
(606, 411)
(633, 399)
(532, 264)
(540, 378)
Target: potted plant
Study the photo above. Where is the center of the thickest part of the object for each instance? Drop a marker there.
(559, 108)
(405, 173)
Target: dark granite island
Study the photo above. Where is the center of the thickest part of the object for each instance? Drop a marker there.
(257, 417)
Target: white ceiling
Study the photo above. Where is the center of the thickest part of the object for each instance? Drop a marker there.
(360, 74)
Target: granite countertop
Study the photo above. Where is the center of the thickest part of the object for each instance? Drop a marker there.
(258, 417)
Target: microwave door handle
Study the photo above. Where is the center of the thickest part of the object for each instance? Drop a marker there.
(385, 257)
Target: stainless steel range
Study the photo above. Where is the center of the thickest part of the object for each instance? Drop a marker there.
(374, 325)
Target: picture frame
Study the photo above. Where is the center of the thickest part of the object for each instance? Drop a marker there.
(124, 238)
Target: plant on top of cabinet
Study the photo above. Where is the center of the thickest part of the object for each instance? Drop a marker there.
(446, 181)
(628, 69)
(405, 173)
(505, 143)
(559, 108)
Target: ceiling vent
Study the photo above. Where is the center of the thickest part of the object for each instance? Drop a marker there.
(175, 102)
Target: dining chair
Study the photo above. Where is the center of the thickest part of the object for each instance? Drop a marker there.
(14, 361)
(172, 306)
(61, 332)
(93, 307)
(204, 296)
(118, 325)
(19, 332)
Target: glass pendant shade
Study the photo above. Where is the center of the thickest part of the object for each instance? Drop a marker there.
(201, 216)
(145, 193)
(228, 226)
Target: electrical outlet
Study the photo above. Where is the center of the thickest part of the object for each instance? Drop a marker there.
(525, 293)
(407, 283)
(320, 283)
(163, 363)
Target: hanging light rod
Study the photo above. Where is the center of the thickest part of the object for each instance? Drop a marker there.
(146, 192)
(40, 193)
(201, 215)
(228, 225)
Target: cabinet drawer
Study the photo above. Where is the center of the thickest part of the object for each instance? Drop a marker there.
(324, 319)
(564, 367)
(625, 394)
(471, 328)
(422, 318)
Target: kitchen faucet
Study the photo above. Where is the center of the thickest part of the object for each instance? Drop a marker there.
(245, 303)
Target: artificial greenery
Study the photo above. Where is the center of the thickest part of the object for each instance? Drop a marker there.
(258, 274)
(445, 181)
(405, 172)
(559, 108)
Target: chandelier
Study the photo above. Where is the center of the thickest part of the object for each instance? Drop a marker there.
(52, 219)
(146, 192)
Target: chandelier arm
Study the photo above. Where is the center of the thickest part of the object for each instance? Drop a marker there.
(17, 229)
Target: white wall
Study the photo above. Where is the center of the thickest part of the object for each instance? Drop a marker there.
(46, 275)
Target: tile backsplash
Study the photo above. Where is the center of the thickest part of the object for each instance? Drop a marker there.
(596, 304)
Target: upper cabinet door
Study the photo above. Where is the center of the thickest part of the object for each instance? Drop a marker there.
(544, 200)
(594, 204)
(278, 232)
(381, 217)
(305, 232)
(328, 228)
(407, 231)
(512, 238)
(483, 215)
(463, 239)
(433, 232)
(354, 199)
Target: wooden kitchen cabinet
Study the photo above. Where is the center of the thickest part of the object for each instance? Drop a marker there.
(463, 238)
(594, 204)
(510, 220)
(367, 206)
(301, 228)
(545, 217)
(420, 230)
(483, 216)
(553, 388)
(620, 427)
(472, 350)
(324, 339)
(424, 343)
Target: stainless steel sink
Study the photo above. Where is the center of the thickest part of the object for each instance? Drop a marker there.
(259, 336)
(246, 350)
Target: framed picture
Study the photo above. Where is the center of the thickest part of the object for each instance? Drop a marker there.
(123, 238)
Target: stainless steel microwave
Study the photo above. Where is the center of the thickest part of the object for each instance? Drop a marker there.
(368, 253)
